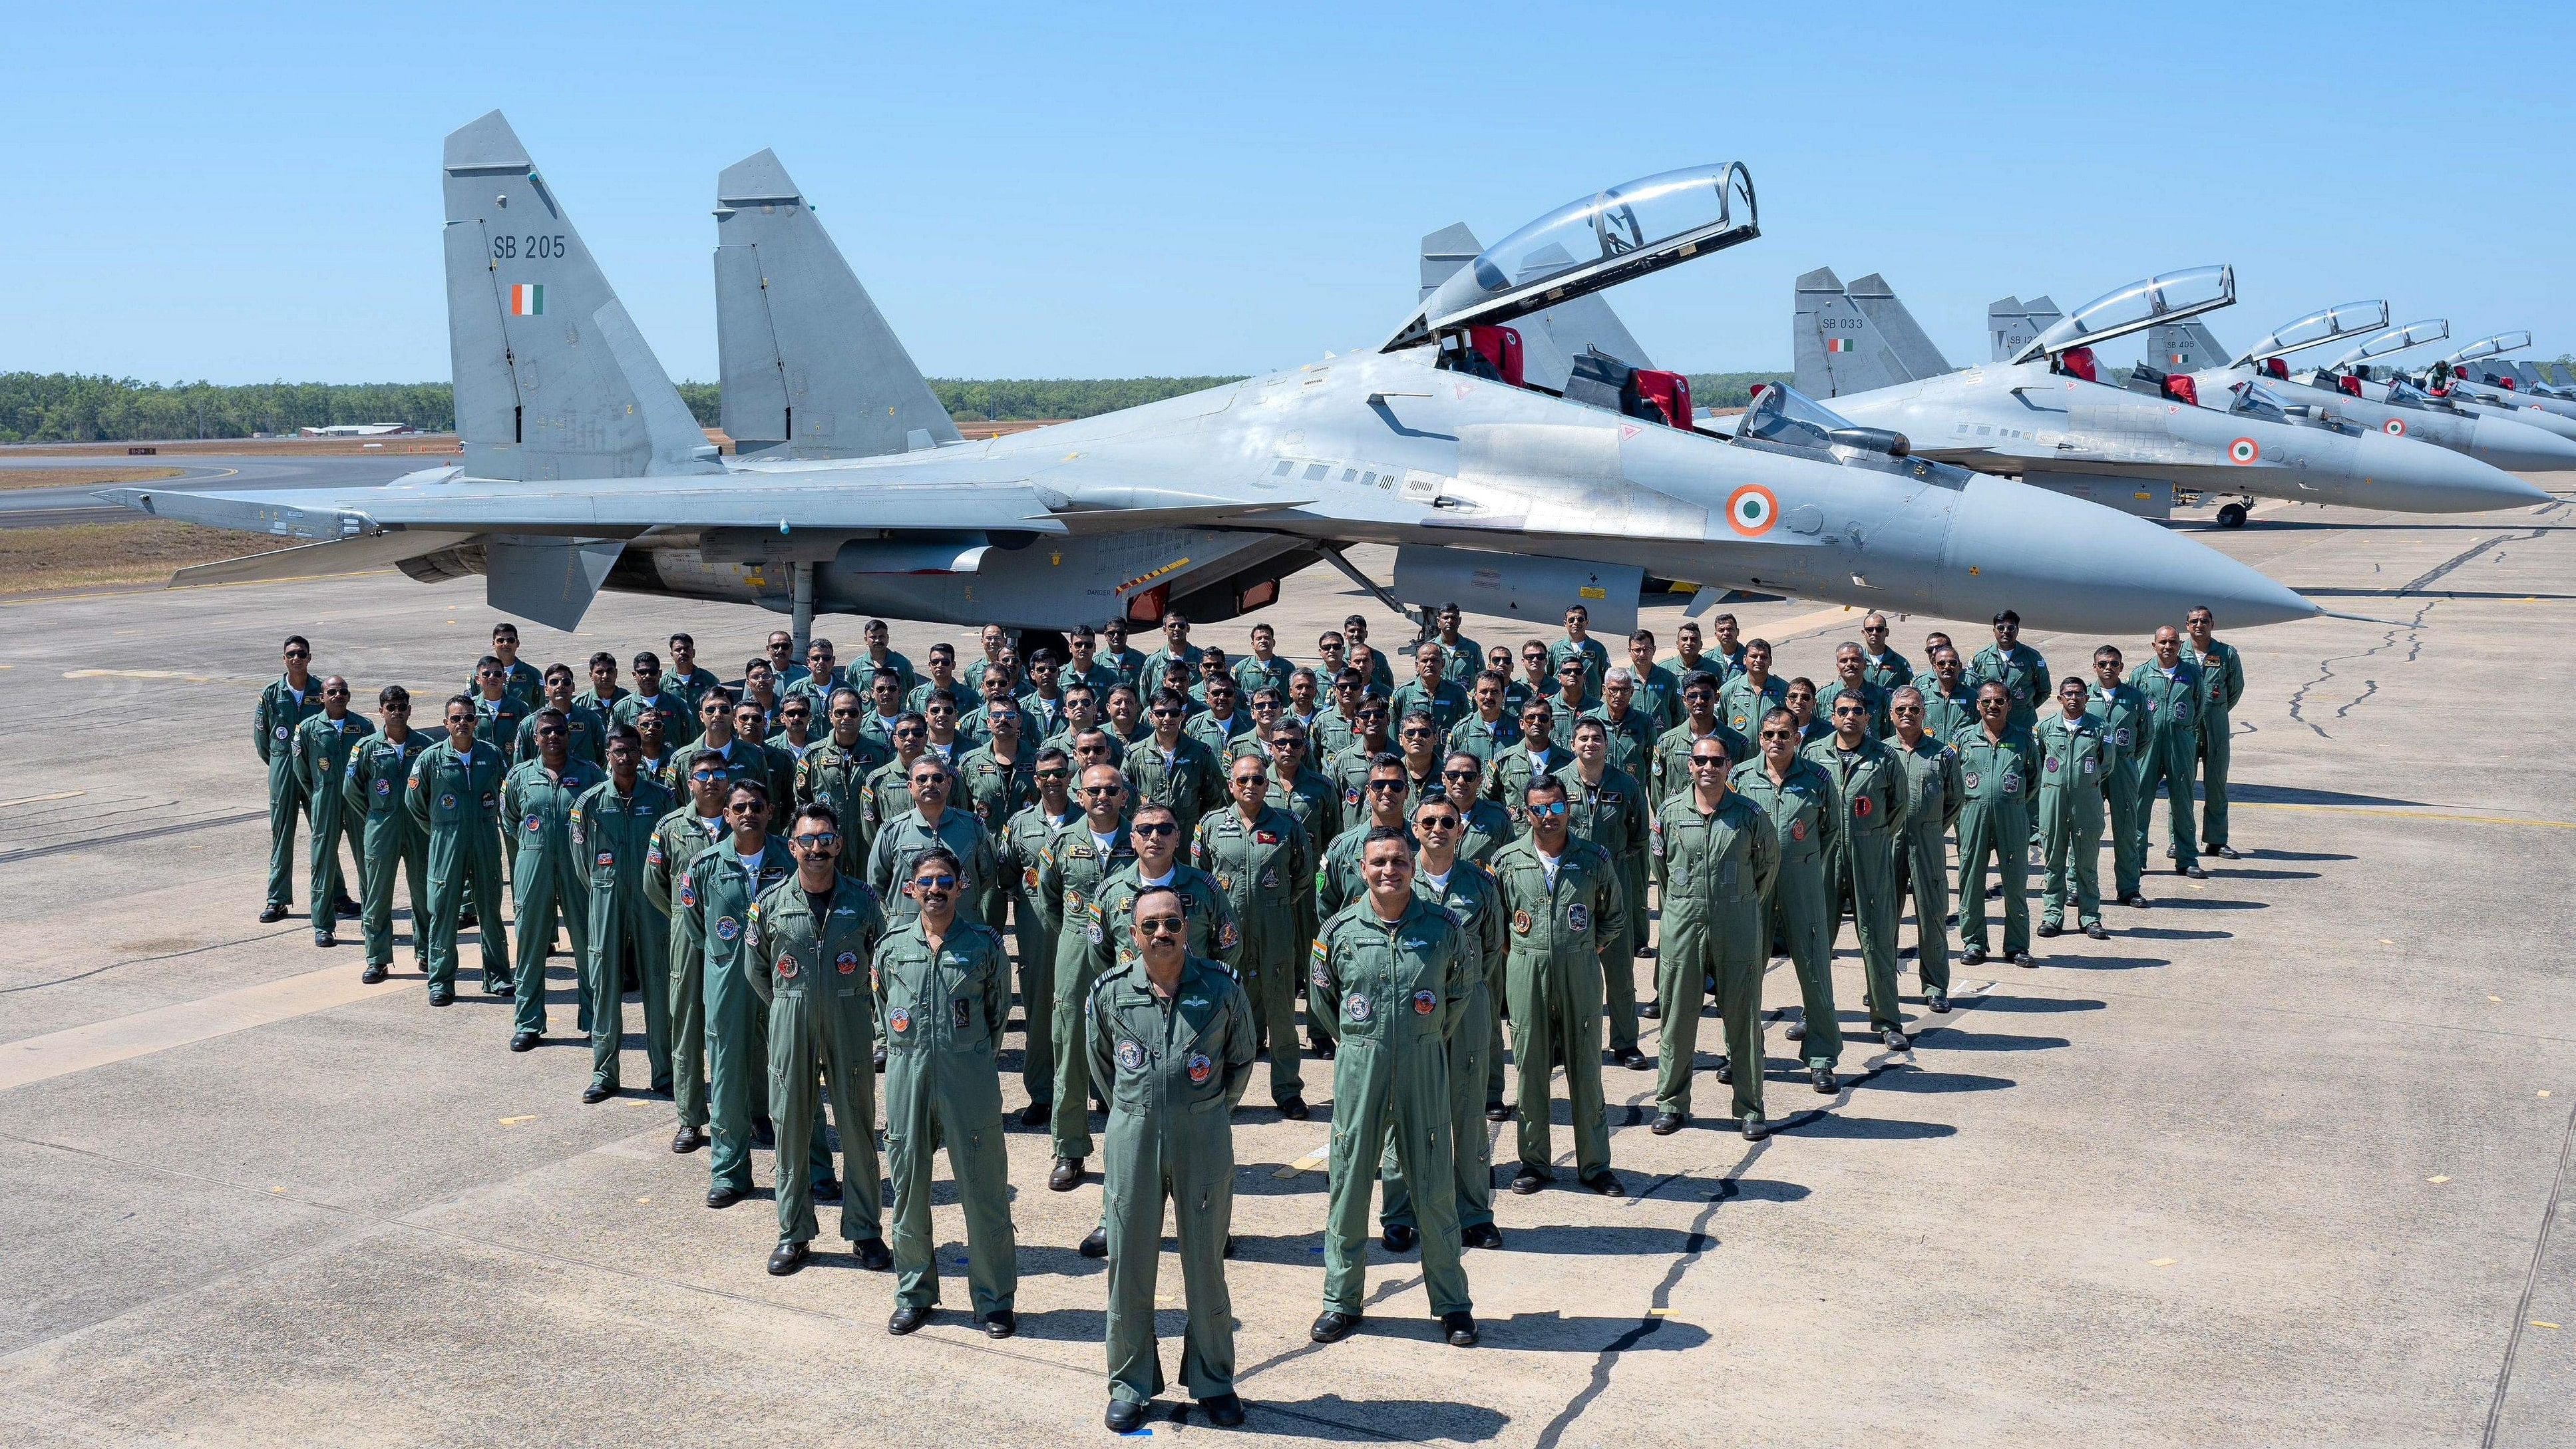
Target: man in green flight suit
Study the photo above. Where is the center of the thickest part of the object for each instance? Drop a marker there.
(1021, 848)
(613, 825)
(678, 840)
(1851, 676)
(1870, 798)
(808, 960)
(943, 986)
(1882, 668)
(518, 676)
(1923, 852)
(2123, 713)
(1169, 1037)
(549, 874)
(1799, 797)
(1431, 691)
(392, 842)
(835, 772)
(455, 795)
(585, 728)
(323, 745)
(1538, 757)
(2073, 759)
(1106, 939)
(1715, 858)
(1578, 643)
(1264, 864)
(1171, 768)
(2018, 668)
(715, 900)
(1447, 879)
(1747, 696)
(284, 706)
(1078, 862)
(1566, 903)
(1995, 779)
(2222, 678)
(2173, 689)
(498, 712)
(1608, 807)
(932, 824)
(1949, 696)
(1392, 976)
(1671, 771)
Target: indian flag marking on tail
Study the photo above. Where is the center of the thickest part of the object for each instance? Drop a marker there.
(1838, 344)
(527, 299)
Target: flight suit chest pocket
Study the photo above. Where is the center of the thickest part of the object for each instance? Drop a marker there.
(1197, 1074)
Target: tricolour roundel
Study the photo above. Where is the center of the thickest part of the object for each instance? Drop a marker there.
(1751, 510)
(2243, 450)
(2394, 427)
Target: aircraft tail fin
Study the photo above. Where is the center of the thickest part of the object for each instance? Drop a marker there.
(2013, 324)
(1837, 348)
(1551, 339)
(1913, 346)
(811, 370)
(552, 378)
(2184, 346)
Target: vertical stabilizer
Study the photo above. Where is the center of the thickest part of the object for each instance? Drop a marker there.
(811, 370)
(2013, 324)
(1913, 347)
(552, 379)
(2184, 346)
(1837, 350)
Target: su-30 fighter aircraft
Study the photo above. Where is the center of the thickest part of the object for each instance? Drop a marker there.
(2044, 415)
(583, 469)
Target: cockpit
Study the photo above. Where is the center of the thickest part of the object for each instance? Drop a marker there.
(1783, 419)
(2332, 324)
(2134, 308)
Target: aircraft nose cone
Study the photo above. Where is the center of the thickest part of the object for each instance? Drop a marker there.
(2420, 478)
(2518, 447)
(2065, 563)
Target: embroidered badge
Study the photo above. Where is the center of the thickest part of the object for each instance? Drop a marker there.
(959, 1013)
(604, 859)
(1520, 923)
(1131, 1057)
(899, 1020)
(688, 896)
(847, 963)
(1862, 806)
(446, 802)
(1578, 918)
(1265, 837)
(1356, 1007)
(787, 967)
(1971, 779)
(727, 928)
(1227, 936)
(1797, 830)
(384, 787)
(1423, 1001)
(1200, 1068)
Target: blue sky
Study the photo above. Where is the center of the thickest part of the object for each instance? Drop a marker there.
(1075, 190)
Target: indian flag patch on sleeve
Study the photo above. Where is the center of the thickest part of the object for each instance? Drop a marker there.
(527, 299)
(1838, 344)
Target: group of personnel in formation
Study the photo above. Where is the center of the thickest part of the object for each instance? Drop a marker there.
(805, 874)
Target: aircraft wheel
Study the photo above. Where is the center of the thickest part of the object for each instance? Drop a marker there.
(2232, 516)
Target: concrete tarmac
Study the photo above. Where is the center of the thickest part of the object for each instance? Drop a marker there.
(2284, 1161)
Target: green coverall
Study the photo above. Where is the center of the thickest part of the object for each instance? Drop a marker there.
(1861, 864)
(1715, 870)
(1923, 852)
(715, 902)
(908, 837)
(994, 792)
(457, 799)
(549, 878)
(677, 842)
(2169, 744)
(394, 843)
(1471, 895)
(1392, 994)
(2123, 714)
(2024, 676)
(1672, 757)
(1740, 706)
(1872, 697)
(1552, 981)
(1173, 1069)
(1267, 871)
(1803, 813)
(272, 733)
(1616, 816)
(2073, 759)
(1191, 781)
(322, 756)
(813, 978)
(1507, 779)
(615, 832)
(2222, 675)
(1069, 880)
(1021, 846)
(585, 734)
(1995, 778)
(944, 1012)
(835, 774)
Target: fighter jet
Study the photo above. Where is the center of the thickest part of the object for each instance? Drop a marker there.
(583, 469)
(2365, 372)
(2481, 371)
(2045, 417)
(2188, 351)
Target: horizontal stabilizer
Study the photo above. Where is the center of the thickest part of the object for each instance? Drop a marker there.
(548, 580)
(318, 560)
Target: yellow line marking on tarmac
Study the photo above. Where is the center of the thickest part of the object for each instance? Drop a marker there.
(1659, 1313)
(515, 1121)
(2424, 814)
(123, 1038)
(2540, 1323)
(2439, 1177)
(2162, 1262)
(38, 799)
(2544, 1091)
(137, 674)
(1307, 1163)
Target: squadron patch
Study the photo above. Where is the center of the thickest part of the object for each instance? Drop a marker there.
(688, 896)
(899, 1020)
(1357, 1007)
(847, 963)
(1131, 1057)
(281, 732)
(489, 800)
(1862, 806)
(1423, 1001)
(2052, 764)
(604, 859)
(959, 1013)
(1971, 779)
(1029, 878)
(1265, 837)
(384, 787)
(1578, 918)
(787, 967)
(653, 853)
(2012, 784)
(1227, 936)
(727, 928)
(446, 802)
(1520, 923)
(1200, 1068)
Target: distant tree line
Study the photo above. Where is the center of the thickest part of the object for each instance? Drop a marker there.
(65, 407)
